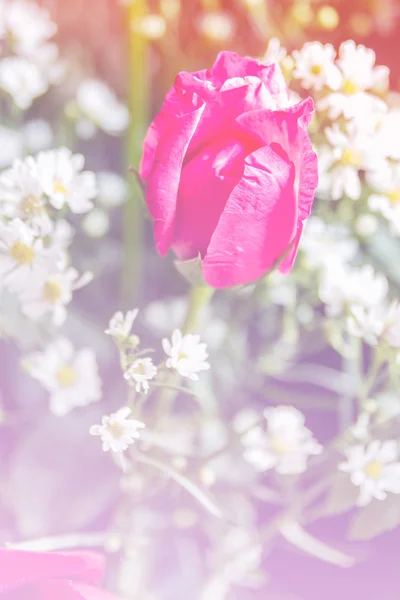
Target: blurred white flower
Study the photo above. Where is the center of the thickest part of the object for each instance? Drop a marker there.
(96, 223)
(388, 133)
(351, 153)
(113, 189)
(375, 469)
(100, 105)
(26, 25)
(120, 325)
(22, 254)
(116, 431)
(362, 107)
(50, 293)
(386, 199)
(38, 135)
(366, 323)
(217, 25)
(63, 180)
(375, 324)
(11, 145)
(324, 244)
(357, 64)
(23, 80)
(286, 444)
(186, 354)
(315, 66)
(21, 195)
(341, 286)
(151, 26)
(70, 376)
(275, 52)
(141, 371)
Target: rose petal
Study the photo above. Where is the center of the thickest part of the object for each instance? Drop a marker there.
(19, 568)
(257, 224)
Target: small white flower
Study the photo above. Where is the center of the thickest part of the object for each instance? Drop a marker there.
(117, 432)
(11, 146)
(315, 66)
(374, 469)
(362, 107)
(23, 80)
(96, 223)
(63, 180)
(70, 376)
(286, 444)
(375, 324)
(275, 52)
(38, 135)
(357, 64)
(100, 105)
(366, 323)
(21, 195)
(141, 371)
(186, 354)
(120, 325)
(22, 254)
(50, 293)
(386, 198)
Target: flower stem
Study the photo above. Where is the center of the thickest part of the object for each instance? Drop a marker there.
(199, 297)
(138, 107)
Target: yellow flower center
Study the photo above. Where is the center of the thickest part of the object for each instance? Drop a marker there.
(394, 196)
(351, 157)
(66, 376)
(350, 88)
(31, 206)
(51, 291)
(22, 253)
(374, 469)
(279, 446)
(59, 188)
(116, 430)
(182, 356)
(316, 69)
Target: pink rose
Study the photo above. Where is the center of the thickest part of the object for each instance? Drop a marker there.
(51, 576)
(229, 169)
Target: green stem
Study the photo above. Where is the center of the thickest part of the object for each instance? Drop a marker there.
(199, 297)
(138, 106)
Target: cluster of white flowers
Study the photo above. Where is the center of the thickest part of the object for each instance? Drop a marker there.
(185, 354)
(34, 262)
(29, 63)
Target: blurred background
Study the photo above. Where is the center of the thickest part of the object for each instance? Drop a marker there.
(137, 47)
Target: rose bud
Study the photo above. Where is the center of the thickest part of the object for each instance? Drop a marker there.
(230, 172)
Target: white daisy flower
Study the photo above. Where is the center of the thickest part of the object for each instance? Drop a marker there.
(22, 254)
(120, 325)
(357, 64)
(22, 80)
(374, 468)
(21, 195)
(49, 294)
(63, 180)
(275, 53)
(315, 66)
(386, 197)
(69, 376)
(362, 107)
(140, 372)
(116, 431)
(99, 105)
(186, 354)
(285, 445)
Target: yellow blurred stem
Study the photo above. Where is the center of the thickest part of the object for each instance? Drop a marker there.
(199, 298)
(138, 106)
